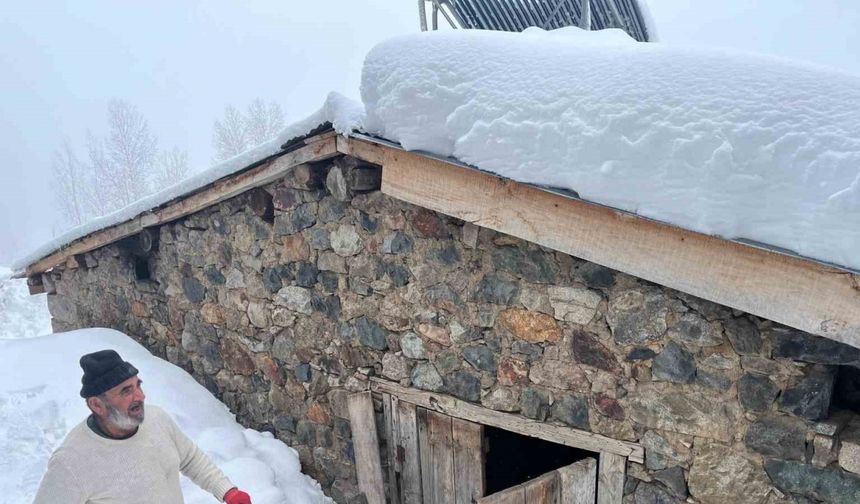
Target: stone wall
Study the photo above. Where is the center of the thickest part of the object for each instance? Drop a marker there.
(283, 317)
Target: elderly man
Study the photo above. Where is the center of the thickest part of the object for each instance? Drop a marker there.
(117, 456)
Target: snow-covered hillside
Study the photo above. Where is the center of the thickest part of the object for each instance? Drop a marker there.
(39, 403)
(733, 144)
(21, 315)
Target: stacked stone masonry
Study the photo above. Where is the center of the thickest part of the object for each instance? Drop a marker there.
(283, 318)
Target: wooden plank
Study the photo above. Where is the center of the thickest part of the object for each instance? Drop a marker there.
(361, 149)
(810, 296)
(513, 495)
(390, 415)
(610, 478)
(544, 489)
(555, 433)
(368, 466)
(212, 194)
(437, 456)
(579, 482)
(408, 455)
(428, 470)
(469, 477)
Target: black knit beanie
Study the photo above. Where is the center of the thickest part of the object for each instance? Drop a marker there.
(104, 370)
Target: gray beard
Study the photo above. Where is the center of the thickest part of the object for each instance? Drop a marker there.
(121, 419)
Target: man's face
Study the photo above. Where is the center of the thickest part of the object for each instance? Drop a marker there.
(123, 404)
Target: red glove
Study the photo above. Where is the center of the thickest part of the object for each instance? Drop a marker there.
(236, 496)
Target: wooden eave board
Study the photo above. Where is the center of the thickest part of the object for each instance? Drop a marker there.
(316, 149)
(799, 293)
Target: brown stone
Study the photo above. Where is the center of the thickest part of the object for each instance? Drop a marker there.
(236, 358)
(212, 314)
(435, 334)
(319, 413)
(138, 309)
(295, 249)
(675, 408)
(720, 475)
(609, 407)
(560, 374)
(428, 224)
(271, 369)
(513, 372)
(589, 351)
(531, 326)
(285, 198)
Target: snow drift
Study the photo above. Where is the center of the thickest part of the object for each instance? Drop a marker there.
(21, 315)
(731, 144)
(39, 404)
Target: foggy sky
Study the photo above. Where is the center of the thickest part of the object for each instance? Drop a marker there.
(181, 62)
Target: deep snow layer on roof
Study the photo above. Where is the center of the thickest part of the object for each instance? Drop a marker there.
(345, 115)
(725, 143)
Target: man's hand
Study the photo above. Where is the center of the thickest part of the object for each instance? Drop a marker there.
(236, 496)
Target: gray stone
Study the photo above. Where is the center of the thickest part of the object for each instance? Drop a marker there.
(394, 367)
(329, 261)
(328, 280)
(337, 185)
(674, 364)
(659, 452)
(398, 274)
(502, 399)
(720, 475)
(364, 266)
(213, 275)
(194, 290)
(595, 276)
(589, 351)
(297, 299)
(796, 345)
(327, 305)
(319, 239)
(397, 243)
(574, 304)
(640, 353)
(272, 278)
(306, 274)
(464, 385)
(481, 357)
(371, 334)
(303, 373)
(345, 241)
(447, 254)
(777, 436)
(824, 485)
(425, 376)
(413, 346)
(673, 478)
(235, 279)
(571, 410)
(825, 450)
(849, 451)
(495, 289)
(532, 265)
(637, 316)
(675, 408)
(292, 222)
(695, 330)
(650, 493)
(530, 351)
(810, 397)
(712, 379)
(443, 296)
(535, 403)
(756, 392)
(743, 335)
(368, 223)
(331, 210)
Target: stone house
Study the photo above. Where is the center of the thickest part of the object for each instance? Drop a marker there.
(421, 331)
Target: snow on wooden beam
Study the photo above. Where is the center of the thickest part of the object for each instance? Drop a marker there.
(803, 294)
(315, 150)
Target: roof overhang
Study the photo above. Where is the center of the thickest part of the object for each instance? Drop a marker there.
(818, 298)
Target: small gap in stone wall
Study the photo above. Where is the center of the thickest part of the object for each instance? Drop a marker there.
(513, 459)
(846, 392)
(141, 269)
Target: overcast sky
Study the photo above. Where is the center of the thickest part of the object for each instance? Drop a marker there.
(182, 61)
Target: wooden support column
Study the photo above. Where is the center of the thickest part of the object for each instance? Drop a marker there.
(610, 486)
(368, 465)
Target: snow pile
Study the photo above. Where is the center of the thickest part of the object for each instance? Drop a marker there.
(21, 315)
(39, 404)
(344, 114)
(731, 144)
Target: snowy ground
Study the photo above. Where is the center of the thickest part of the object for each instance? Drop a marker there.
(39, 404)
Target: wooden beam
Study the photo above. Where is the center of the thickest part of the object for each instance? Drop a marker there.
(408, 452)
(803, 294)
(361, 149)
(389, 411)
(469, 464)
(212, 194)
(368, 465)
(521, 425)
(610, 479)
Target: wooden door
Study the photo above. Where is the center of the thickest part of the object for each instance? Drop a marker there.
(573, 484)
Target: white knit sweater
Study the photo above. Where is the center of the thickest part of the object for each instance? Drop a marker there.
(89, 469)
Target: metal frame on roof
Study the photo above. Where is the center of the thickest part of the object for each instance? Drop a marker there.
(517, 15)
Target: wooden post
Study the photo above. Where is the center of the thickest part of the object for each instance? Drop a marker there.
(579, 482)
(408, 453)
(610, 486)
(389, 408)
(368, 465)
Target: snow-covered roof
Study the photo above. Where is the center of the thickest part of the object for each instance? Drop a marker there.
(632, 16)
(737, 145)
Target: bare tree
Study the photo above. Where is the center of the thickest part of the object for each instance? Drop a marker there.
(229, 137)
(236, 132)
(131, 149)
(264, 121)
(171, 168)
(71, 184)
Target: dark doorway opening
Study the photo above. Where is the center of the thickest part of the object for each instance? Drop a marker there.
(512, 459)
(846, 393)
(141, 269)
